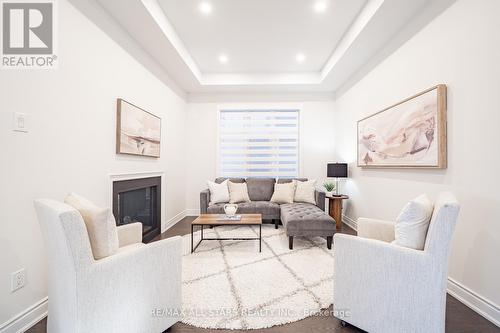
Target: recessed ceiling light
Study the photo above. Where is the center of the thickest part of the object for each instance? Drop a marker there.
(223, 58)
(300, 57)
(205, 7)
(320, 6)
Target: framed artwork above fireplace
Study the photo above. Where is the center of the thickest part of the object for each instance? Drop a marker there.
(138, 132)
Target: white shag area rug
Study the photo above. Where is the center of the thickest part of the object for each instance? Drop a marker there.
(230, 285)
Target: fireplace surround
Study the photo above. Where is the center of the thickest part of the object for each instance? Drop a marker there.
(139, 200)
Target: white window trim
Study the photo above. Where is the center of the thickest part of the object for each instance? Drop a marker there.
(258, 106)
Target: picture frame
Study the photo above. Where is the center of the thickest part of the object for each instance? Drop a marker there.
(408, 134)
(138, 132)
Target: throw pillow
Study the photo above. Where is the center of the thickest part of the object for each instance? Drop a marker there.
(100, 223)
(283, 193)
(219, 193)
(305, 191)
(413, 222)
(238, 192)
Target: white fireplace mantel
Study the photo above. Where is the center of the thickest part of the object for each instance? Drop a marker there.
(134, 175)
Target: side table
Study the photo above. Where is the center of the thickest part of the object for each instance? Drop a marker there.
(335, 208)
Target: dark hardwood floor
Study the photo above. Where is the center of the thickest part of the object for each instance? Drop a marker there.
(459, 318)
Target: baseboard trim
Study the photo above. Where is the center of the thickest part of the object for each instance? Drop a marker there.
(27, 318)
(475, 302)
(469, 298)
(187, 212)
(192, 212)
(172, 221)
(350, 222)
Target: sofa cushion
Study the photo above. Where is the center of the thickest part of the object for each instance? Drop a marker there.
(219, 180)
(218, 192)
(305, 191)
(289, 180)
(238, 192)
(266, 208)
(260, 189)
(303, 219)
(283, 193)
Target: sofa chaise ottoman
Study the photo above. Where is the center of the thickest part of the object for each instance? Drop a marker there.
(306, 220)
(299, 219)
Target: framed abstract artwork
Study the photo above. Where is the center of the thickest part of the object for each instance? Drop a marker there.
(138, 132)
(409, 134)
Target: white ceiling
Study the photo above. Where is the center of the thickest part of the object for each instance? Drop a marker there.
(261, 39)
(260, 36)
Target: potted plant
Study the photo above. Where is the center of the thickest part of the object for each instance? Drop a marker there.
(329, 187)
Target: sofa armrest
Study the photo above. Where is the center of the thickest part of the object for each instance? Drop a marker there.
(320, 197)
(376, 229)
(129, 234)
(204, 201)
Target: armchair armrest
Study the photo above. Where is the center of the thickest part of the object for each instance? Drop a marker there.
(129, 234)
(204, 201)
(163, 252)
(320, 197)
(376, 229)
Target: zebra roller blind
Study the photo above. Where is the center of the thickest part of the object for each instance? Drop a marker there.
(259, 143)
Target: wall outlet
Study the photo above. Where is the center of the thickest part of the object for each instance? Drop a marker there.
(18, 279)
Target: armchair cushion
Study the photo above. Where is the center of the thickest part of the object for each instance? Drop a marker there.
(100, 223)
(413, 222)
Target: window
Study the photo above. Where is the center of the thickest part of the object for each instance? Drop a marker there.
(259, 143)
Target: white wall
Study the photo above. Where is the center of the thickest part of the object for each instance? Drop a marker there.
(460, 48)
(316, 143)
(71, 143)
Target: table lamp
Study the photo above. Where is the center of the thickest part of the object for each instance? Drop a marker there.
(336, 170)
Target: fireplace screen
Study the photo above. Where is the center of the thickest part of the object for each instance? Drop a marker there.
(138, 200)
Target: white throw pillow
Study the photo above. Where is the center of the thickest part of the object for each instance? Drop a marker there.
(305, 191)
(219, 193)
(283, 193)
(413, 222)
(238, 192)
(100, 223)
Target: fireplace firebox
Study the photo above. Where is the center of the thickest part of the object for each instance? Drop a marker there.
(139, 200)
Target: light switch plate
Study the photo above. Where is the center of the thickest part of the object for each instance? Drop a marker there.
(20, 122)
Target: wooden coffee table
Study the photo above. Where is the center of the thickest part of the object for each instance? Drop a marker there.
(214, 220)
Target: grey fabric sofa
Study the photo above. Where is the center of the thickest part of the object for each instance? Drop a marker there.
(299, 219)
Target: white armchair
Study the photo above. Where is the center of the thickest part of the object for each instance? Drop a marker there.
(381, 287)
(130, 291)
